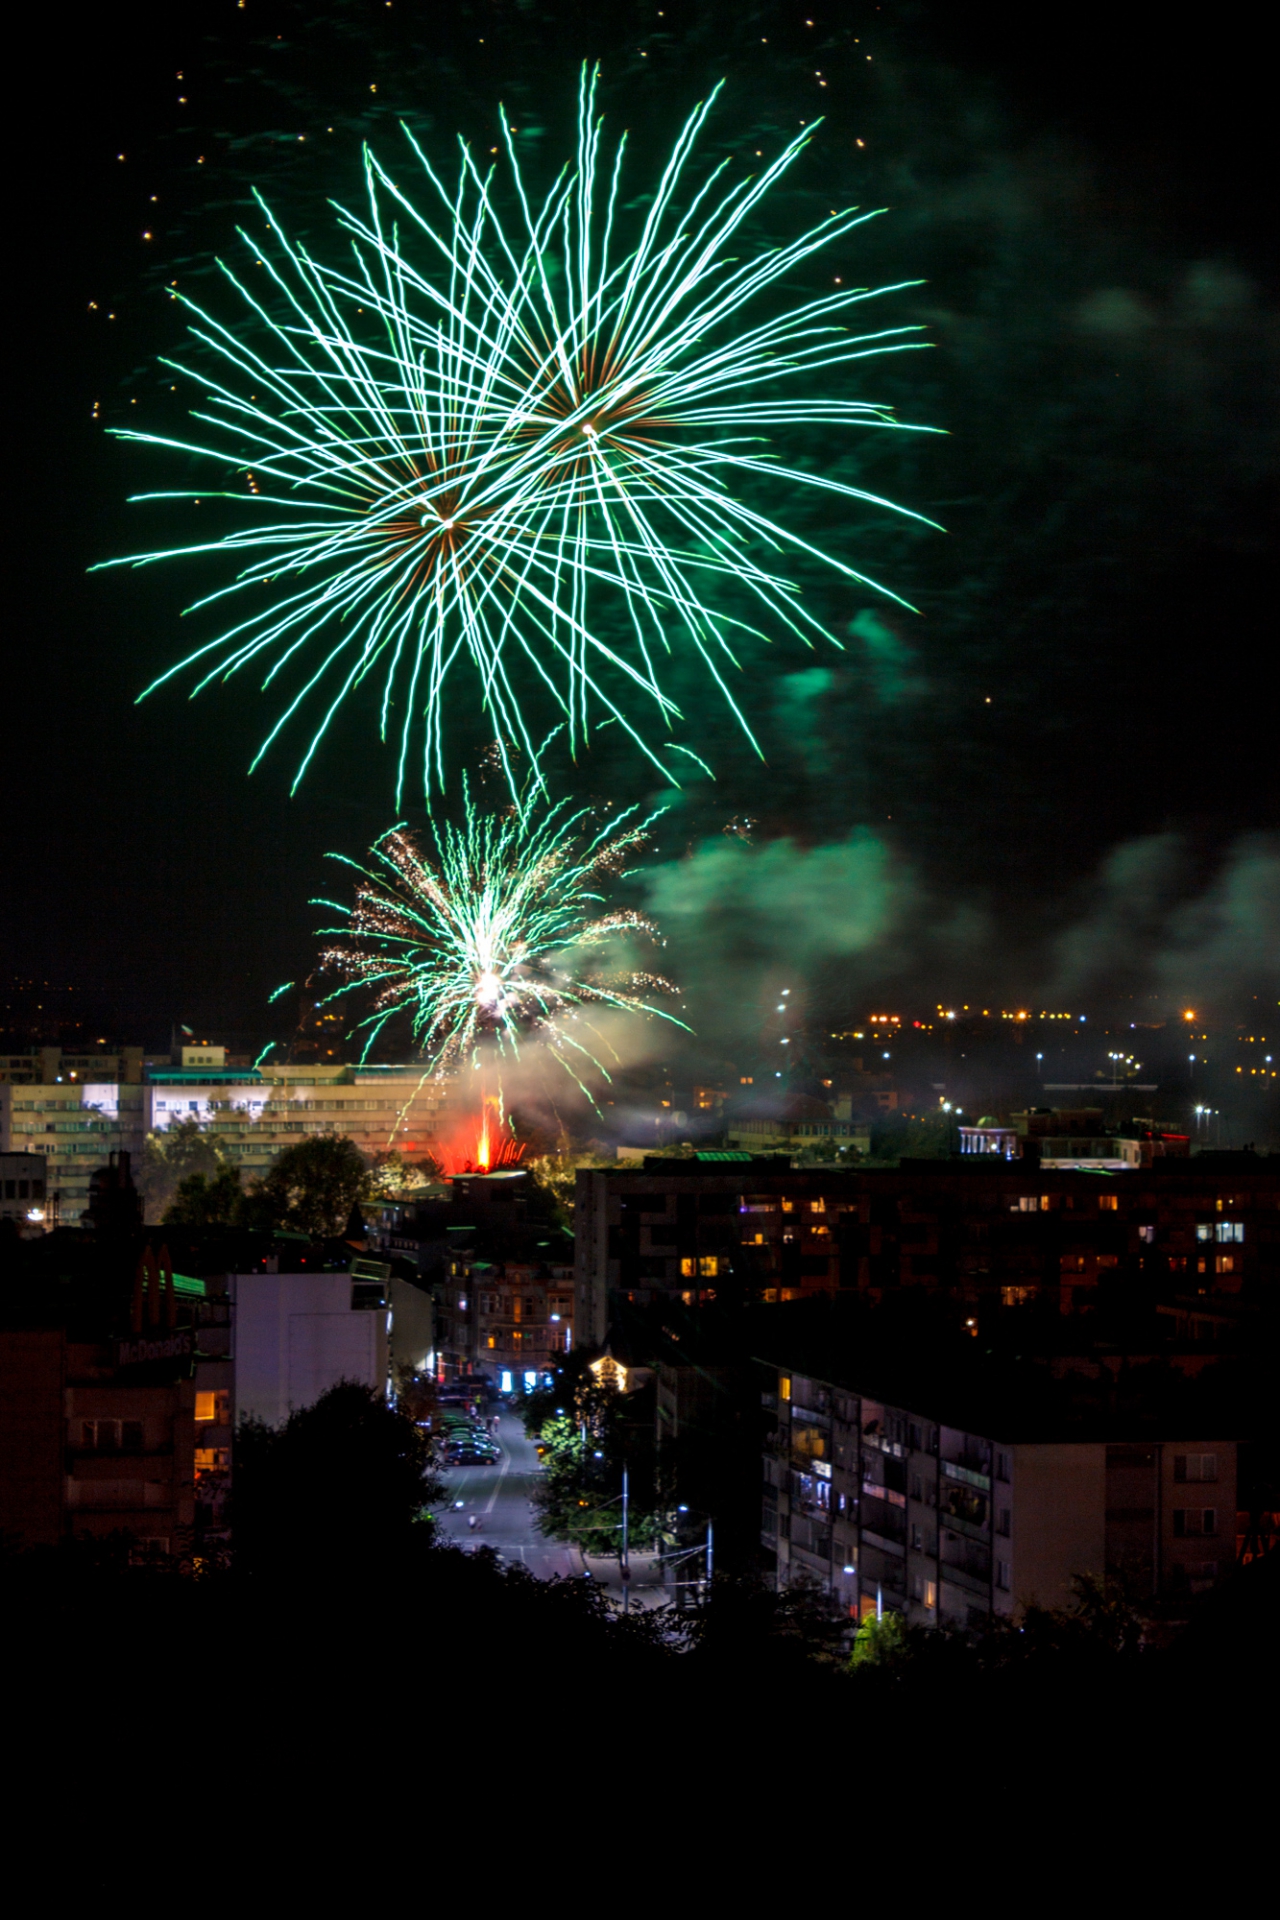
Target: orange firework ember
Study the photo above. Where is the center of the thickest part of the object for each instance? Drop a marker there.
(491, 1148)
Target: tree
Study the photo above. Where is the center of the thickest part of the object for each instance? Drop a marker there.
(173, 1156)
(556, 1173)
(579, 1497)
(574, 1390)
(313, 1186)
(392, 1177)
(880, 1642)
(348, 1478)
(207, 1200)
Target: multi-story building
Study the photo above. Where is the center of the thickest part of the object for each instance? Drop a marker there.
(951, 1501)
(688, 1228)
(249, 1113)
(507, 1319)
(1074, 1138)
(797, 1122)
(53, 1066)
(980, 1229)
(97, 1436)
(22, 1191)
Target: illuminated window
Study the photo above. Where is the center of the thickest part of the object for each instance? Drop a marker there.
(784, 1386)
(1230, 1230)
(708, 1267)
(1224, 1263)
(688, 1269)
(930, 1593)
(1108, 1203)
(1016, 1296)
(817, 1206)
(492, 1340)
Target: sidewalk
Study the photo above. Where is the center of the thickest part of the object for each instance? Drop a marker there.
(647, 1589)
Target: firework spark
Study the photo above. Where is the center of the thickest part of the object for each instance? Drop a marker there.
(494, 938)
(497, 404)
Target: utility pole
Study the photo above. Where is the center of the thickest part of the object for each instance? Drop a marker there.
(626, 1564)
(710, 1557)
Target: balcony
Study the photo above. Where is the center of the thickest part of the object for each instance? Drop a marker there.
(967, 1476)
(118, 1495)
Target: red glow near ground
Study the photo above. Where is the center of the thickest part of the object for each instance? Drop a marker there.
(484, 1148)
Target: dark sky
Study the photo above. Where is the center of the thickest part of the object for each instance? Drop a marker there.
(1084, 194)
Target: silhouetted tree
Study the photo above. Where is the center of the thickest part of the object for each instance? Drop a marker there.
(314, 1185)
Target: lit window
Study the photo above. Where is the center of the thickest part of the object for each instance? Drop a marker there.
(1108, 1203)
(784, 1386)
(688, 1269)
(930, 1593)
(1230, 1230)
(709, 1267)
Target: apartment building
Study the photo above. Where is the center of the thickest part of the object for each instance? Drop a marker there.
(690, 1229)
(97, 1437)
(250, 1113)
(980, 1229)
(504, 1318)
(951, 1502)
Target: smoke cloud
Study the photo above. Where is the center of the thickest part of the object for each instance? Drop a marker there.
(856, 918)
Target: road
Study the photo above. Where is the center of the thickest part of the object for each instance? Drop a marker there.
(498, 1498)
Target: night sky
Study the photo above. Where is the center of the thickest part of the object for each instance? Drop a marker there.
(1065, 766)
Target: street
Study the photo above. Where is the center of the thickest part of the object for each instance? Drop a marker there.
(499, 1499)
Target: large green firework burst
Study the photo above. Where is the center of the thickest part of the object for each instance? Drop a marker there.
(497, 409)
